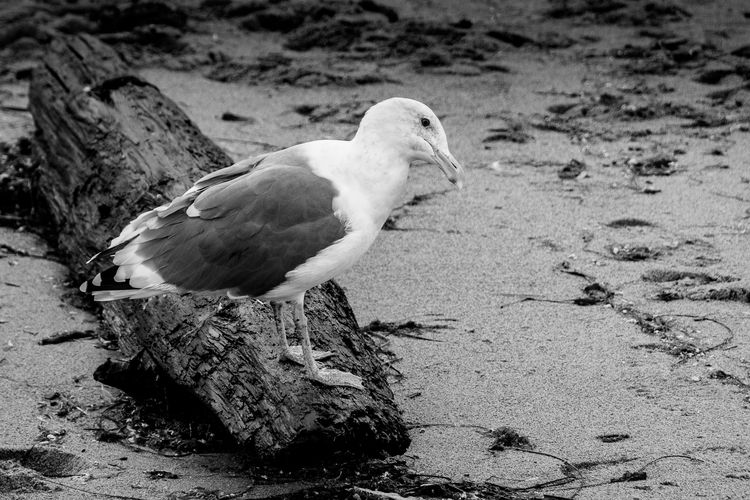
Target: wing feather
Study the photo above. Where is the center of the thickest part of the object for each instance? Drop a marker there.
(240, 230)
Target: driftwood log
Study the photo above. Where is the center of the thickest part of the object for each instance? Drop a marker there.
(112, 146)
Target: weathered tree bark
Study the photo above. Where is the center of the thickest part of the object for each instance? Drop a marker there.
(114, 146)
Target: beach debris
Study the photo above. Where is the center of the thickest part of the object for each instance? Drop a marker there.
(391, 224)
(656, 165)
(743, 51)
(731, 294)
(694, 277)
(410, 329)
(574, 169)
(595, 293)
(6, 249)
(348, 112)
(630, 476)
(629, 252)
(228, 116)
(612, 438)
(506, 437)
(160, 474)
(561, 109)
(67, 336)
(512, 130)
(628, 222)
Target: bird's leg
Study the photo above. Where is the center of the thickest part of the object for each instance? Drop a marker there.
(287, 353)
(278, 316)
(325, 376)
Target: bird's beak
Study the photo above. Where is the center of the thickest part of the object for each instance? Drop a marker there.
(449, 165)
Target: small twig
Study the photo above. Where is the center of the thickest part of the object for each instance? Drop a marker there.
(508, 304)
(560, 481)
(398, 376)
(8, 219)
(177, 454)
(522, 295)
(642, 469)
(433, 476)
(537, 299)
(400, 333)
(730, 196)
(378, 335)
(574, 272)
(403, 209)
(549, 483)
(400, 330)
(465, 426)
(10, 107)
(580, 474)
(11, 250)
(692, 459)
(60, 337)
(419, 198)
(380, 494)
(91, 492)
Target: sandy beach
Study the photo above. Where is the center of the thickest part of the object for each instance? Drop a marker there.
(588, 288)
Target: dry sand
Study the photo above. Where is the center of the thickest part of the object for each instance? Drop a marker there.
(476, 266)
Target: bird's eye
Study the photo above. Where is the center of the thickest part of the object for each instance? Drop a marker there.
(425, 122)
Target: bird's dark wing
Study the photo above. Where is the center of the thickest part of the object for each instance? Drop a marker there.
(241, 229)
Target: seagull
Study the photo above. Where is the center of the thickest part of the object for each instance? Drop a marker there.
(273, 226)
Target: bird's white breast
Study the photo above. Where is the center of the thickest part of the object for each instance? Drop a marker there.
(353, 206)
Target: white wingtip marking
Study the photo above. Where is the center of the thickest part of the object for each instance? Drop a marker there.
(143, 277)
(104, 298)
(192, 211)
(127, 256)
(97, 281)
(84, 286)
(108, 295)
(123, 273)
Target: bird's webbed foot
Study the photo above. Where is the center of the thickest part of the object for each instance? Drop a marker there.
(294, 355)
(337, 378)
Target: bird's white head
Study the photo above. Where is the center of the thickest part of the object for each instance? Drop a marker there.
(415, 130)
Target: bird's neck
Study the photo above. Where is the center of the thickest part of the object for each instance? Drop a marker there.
(380, 173)
(370, 177)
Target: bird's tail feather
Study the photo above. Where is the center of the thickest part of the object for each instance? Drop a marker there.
(108, 286)
(111, 250)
